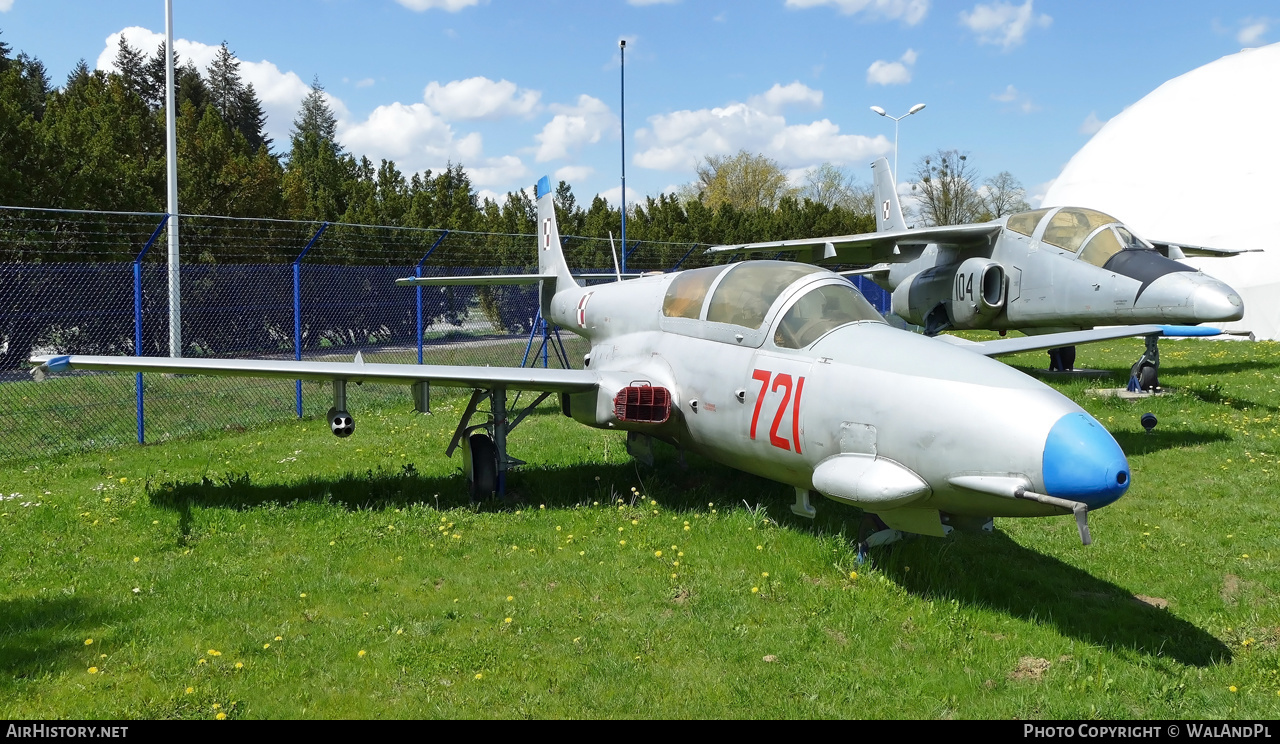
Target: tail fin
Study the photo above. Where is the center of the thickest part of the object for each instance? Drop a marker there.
(550, 249)
(885, 190)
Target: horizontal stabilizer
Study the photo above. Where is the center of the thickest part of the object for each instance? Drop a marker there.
(471, 281)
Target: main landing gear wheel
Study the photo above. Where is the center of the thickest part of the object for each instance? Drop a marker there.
(1147, 379)
(341, 423)
(480, 463)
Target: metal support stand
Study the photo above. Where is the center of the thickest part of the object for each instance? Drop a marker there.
(541, 327)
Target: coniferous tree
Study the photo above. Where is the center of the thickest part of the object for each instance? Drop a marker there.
(225, 88)
(131, 67)
(252, 121)
(318, 171)
(153, 75)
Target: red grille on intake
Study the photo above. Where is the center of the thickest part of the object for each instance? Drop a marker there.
(648, 405)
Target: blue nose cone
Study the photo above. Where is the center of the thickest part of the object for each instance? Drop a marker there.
(1083, 462)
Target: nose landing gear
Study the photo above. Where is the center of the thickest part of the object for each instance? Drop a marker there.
(1144, 375)
(485, 461)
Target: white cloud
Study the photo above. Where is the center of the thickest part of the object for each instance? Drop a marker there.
(480, 98)
(281, 93)
(451, 6)
(679, 140)
(573, 173)
(883, 72)
(1091, 124)
(1003, 23)
(1020, 100)
(909, 12)
(497, 171)
(1252, 30)
(6, 6)
(574, 126)
(365, 83)
(612, 195)
(779, 96)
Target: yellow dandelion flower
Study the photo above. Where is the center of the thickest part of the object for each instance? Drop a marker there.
(542, 506)
(239, 665)
(1246, 555)
(635, 521)
(136, 559)
(507, 620)
(221, 716)
(88, 641)
(509, 598)
(675, 563)
(333, 542)
(126, 480)
(479, 675)
(361, 653)
(190, 690)
(673, 576)
(266, 645)
(278, 638)
(686, 528)
(302, 596)
(622, 542)
(657, 553)
(557, 528)
(201, 661)
(853, 574)
(680, 554)
(1232, 687)
(103, 656)
(94, 670)
(582, 552)
(765, 574)
(755, 589)
(399, 631)
(155, 521)
(759, 547)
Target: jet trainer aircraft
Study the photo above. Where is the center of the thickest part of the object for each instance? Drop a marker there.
(780, 369)
(1042, 271)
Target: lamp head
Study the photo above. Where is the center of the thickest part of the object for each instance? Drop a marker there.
(916, 108)
(878, 110)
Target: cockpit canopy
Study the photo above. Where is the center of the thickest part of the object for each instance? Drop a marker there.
(1096, 236)
(742, 295)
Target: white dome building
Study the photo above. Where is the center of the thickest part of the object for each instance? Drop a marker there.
(1197, 161)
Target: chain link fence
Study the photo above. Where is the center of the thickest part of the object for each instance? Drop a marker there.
(97, 283)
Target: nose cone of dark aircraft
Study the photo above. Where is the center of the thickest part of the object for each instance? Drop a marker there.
(1214, 301)
(1083, 462)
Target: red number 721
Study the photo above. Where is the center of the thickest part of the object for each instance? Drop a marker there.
(784, 381)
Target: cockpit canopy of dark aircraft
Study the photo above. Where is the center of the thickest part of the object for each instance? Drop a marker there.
(1095, 236)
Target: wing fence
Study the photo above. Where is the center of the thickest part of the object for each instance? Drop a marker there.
(98, 283)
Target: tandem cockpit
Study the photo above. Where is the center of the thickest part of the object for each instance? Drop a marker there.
(790, 305)
(1095, 236)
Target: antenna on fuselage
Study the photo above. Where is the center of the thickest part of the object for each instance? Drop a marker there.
(614, 251)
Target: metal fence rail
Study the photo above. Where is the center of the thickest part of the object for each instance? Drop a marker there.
(90, 283)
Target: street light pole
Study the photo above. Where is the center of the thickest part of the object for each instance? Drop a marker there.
(171, 157)
(914, 110)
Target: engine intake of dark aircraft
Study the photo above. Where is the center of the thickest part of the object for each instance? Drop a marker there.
(642, 404)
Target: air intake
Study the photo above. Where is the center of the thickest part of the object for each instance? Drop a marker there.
(642, 404)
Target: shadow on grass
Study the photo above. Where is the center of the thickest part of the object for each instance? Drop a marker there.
(1214, 395)
(40, 636)
(1144, 443)
(995, 572)
(988, 571)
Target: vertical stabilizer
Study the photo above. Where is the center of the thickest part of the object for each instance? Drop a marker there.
(888, 210)
(550, 249)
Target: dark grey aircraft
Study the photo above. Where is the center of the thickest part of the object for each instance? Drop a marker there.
(1043, 271)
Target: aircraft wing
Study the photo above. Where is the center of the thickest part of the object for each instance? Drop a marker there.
(472, 281)
(893, 246)
(513, 378)
(1006, 346)
(1182, 250)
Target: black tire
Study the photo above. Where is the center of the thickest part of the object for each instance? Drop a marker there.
(480, 463)
(1147, 378)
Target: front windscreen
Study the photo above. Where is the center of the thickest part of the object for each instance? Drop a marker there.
(819, 311)
(745, 295)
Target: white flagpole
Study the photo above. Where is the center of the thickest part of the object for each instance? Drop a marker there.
(175, 287)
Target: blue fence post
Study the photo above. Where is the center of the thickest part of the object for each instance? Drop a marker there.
(137, 317)
(297, 307)
(417, 272)
(676, 266)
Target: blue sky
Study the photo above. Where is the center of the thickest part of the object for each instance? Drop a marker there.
(514, 90)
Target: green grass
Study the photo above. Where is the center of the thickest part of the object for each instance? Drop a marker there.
(222, 536)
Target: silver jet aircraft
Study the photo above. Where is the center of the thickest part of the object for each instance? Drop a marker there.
(1043, 271)
(776, 368)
